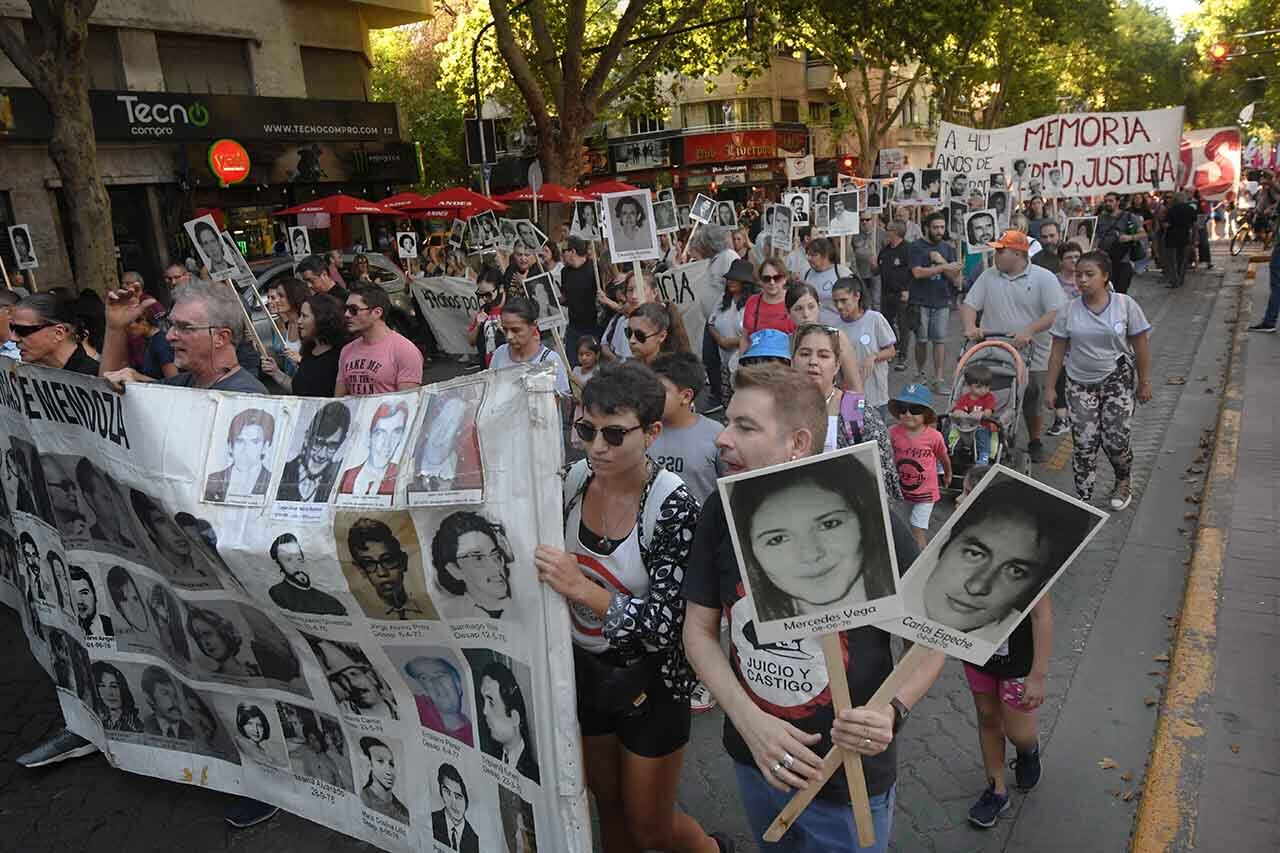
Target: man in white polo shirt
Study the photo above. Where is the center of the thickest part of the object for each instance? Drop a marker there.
(1020, 299)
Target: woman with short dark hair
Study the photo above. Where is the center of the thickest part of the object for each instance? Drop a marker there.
(628, 530)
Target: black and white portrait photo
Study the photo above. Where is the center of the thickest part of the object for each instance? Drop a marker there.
(506, 727)
(23, 468)
(993, 559)
(447, 465)
(799, 204)
(813, 539)
(441, 688)
(167, 624)
(931, 186)
(957, 186)
(530, 235)
(372, 481)
(209, 736)
(1053, 187)
(632, 236)
(956, 212)
(726, 215)
(821, 216)
(682, 215)
(843, 216)
(907, 188)
(1019, 170)
(664, 216)
(451, 823)
(821, 196)
(258, 734)
(163, 714)
(24, 251)
(183, 548)
(1080, 230)
(998, 201)
(70, 511)
(207, 239)
(703, 209)
(484, 229)
(874, 200)
(236, 257)
(130, 617)
(219, 639)
(542, 290)
(315, 452)
(507, 234)
(294, 591)
(312, 752)
(977, 195)
(780, 229)
(665, 194)
(299, 242)
(457, 232)
(406, 245)
(91, 616)
(586, 221)
(240, 469)
(471, 561)
(382, 562)
(354, 681)
(979, 230)
(114, 700)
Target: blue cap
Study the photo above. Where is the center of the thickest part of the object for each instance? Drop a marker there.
(769, 343)
(915, 393)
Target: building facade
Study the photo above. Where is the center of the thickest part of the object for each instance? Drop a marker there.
(288, 79)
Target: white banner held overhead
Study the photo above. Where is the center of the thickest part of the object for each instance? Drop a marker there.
(1070, 153)
(798, 167)
(449, 304)
(334, 663)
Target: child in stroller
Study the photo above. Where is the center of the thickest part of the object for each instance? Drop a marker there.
(981, 427)
(971, 416)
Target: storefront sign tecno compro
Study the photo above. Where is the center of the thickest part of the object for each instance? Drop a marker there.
(145, 116)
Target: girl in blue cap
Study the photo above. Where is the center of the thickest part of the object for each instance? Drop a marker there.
(918, 451)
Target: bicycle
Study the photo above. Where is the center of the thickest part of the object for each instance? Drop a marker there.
(1249, 228)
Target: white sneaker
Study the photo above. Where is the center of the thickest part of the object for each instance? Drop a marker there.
(701, 699)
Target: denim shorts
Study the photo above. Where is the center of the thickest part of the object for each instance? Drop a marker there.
(931, 323)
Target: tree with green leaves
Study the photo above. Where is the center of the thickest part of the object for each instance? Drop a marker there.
(54, 64)
(1249, 30)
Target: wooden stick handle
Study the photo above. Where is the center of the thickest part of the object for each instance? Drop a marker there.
(833, 651)
(5, 272)
(831, 763)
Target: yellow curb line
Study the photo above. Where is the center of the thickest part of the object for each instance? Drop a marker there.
(1165, 809)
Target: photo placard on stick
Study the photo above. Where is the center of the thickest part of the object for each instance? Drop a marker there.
(207, 239)
(24, 252)
(726, 214)
(542, 290)
(586, 221)
(704, 207)
(931, 186)
(407, 245)
(780, 231)
(529, 235)
(457, 232)
(979, 230)
(906, 188)
(664, 216)
(507, 235)
(682, 215)
(299, 242)
(874, 197)
(814, 543)
(632, 236)
(844, 212)
(1014, 537)
(1080, 230)
(484, 229)
(821, 216)
(666, 194)
(799, 204)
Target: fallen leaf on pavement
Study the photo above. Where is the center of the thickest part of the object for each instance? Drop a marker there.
(1156, 672)
(1108, 764)
(1127, 775)
(1193, 499)
(1175, 380)
(1235, 747)
(1161, 658)
(1190, 516)
(1148, 701)
(1127, 795)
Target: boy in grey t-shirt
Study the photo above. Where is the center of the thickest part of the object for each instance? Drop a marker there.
(687, 443)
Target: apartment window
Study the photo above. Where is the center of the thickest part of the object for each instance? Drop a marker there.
(204, 64)
(335, 75)
(909, 112)
(101, 51)
(789, 110)
(819, 113)
(728, 112)
(644, 124)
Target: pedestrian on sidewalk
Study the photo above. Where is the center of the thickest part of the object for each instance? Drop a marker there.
(1109, 340)
(775, 729)
(1179, 238)
(1272, 313)
(935, 272)
(919, 454)
(1007, 690)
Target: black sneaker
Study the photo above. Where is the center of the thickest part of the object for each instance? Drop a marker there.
(1058, 427)
(1262, 327)
(1026, 769)
(61, 747)
(724, 842)
(1035, 450)
(987, 810)
(243, 812)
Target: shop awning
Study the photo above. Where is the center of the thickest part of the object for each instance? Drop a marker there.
(549, 194)
(602, 187)
(338, 205)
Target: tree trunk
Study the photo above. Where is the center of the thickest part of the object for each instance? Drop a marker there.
(75, 154)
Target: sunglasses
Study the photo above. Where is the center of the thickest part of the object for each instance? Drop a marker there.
(639, 337)
(912, 409)
(353, 310)
(613, 435)
(22, 330)
(782, 277)
(806, 328)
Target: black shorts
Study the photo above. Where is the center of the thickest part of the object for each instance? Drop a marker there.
(655, 728)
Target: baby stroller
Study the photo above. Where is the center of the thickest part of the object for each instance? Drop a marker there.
(1008, 384)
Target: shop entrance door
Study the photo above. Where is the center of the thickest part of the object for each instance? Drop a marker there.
(134, 231)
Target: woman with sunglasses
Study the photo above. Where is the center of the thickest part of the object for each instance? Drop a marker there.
(486, 327)
(628, 529)
(524, 342)
(614, 343)
(816, 351)
(360, 269)
(322, 330)
(768, 308)
(45, 328)
(655, 328)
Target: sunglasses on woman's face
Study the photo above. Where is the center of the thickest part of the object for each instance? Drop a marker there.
(782, 277)
(23, 330)
(638, 336)
(613, 435)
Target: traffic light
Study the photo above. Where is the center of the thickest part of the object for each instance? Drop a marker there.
(1218, 53)
(714, 189)
(848, 165)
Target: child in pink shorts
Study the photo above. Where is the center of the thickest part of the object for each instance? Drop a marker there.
(1007, 690)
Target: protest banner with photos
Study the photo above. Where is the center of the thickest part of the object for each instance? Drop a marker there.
(24, 251)
(814, 543)
(1070, 153)
(1013, 537)
(339, 664)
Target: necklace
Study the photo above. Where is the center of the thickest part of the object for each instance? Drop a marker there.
(608, 541)
(832, 394)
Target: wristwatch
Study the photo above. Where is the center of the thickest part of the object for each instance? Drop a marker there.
(900, 713)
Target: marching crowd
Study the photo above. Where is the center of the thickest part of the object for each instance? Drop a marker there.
(795, 358)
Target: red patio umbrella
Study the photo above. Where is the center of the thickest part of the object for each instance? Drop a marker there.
(550, 194)
(460, 200)
(602, 187)
(400, 201)
(338, 205)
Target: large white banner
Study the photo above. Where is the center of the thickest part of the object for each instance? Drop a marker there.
(329, 605)
(1070, 153)
(449, 304)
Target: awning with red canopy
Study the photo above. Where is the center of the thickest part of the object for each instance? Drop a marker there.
(460, 201)
(338, 205)
(550, 194)
(602, 187)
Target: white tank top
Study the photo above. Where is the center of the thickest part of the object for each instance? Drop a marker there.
(622, 571)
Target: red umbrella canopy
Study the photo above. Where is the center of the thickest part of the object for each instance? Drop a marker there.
(338, 205)
(461, 200)
(403, 200)
(551, 193)
(603, 187)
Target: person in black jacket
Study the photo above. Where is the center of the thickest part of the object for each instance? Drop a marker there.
(449, 825)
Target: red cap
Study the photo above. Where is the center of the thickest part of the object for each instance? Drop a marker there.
(1013, 239)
